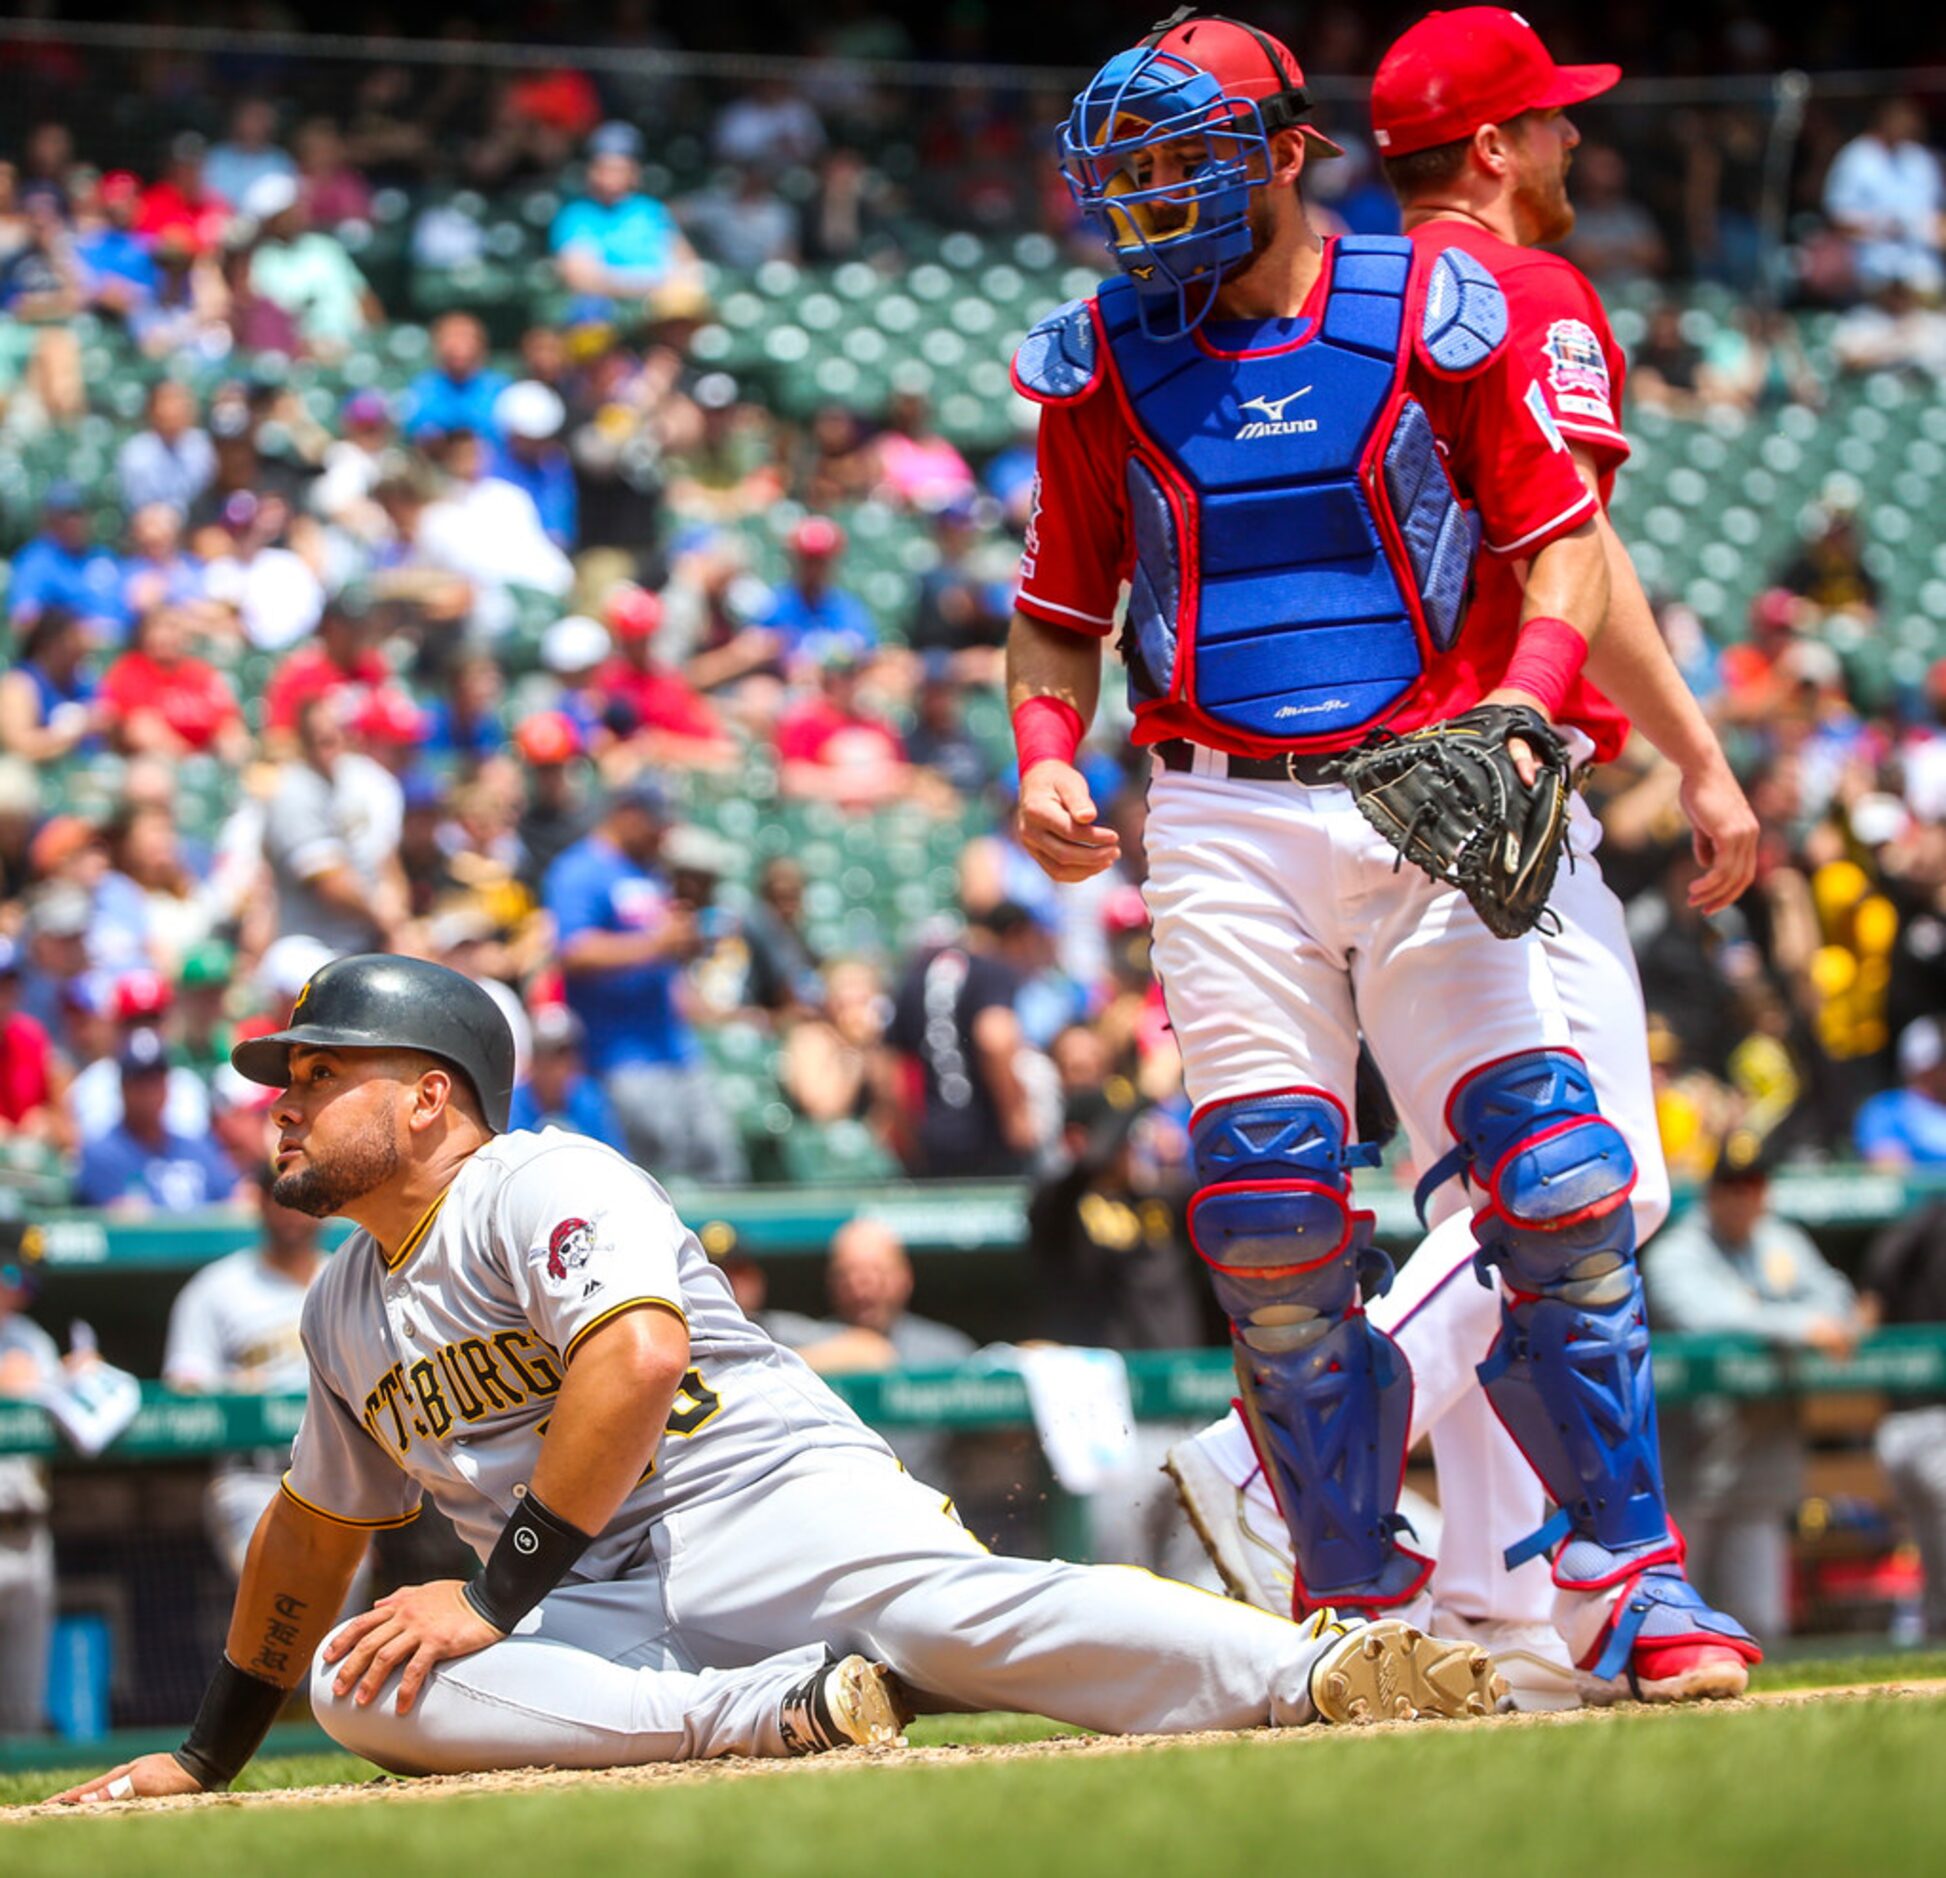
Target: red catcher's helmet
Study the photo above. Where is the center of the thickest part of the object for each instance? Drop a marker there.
(1248, 63)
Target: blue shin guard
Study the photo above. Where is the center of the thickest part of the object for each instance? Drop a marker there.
(1569, 1374)
(1327, 1396)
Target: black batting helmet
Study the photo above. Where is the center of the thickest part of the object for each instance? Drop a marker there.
(379, 1001)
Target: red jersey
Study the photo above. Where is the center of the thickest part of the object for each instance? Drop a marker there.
(1558, 330)
(816, 731)
(25, 1056)
(659, 701)
(193, 699)
(1503, 454)
(311, 673)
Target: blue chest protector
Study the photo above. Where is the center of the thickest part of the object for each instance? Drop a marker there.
(1299, 550)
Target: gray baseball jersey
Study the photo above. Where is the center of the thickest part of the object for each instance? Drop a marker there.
(237, 1317)
(436, 1371)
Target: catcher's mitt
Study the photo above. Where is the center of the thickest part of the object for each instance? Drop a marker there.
(1450, 800)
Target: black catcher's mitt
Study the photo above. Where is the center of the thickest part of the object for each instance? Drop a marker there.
(1450, 800)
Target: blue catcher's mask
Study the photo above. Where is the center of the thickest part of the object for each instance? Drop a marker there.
(1176, 239)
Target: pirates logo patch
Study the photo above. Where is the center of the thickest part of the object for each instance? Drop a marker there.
(568, 1246)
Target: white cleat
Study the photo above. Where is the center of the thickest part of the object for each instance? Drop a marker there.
(1255, 1565)
(1530, 1657)
(1393, 1671)
(851, 1703)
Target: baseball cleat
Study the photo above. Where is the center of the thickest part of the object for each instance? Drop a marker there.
(1255, 1566)
(1393, 1671)
(853, 1703)
(1671, 1672)
(1660, 1641)
(1531, 1658)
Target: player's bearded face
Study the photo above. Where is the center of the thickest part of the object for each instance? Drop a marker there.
(1543, 153)
(346, 1138)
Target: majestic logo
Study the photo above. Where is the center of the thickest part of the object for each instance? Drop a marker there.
(568, 1246)
(1273, 422)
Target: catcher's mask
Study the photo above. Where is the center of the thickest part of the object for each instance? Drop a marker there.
(1220, 89)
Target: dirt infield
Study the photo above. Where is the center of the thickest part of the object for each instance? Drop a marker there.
(530, 1780)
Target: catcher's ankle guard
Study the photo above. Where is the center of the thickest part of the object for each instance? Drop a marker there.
(1569, 1373)
(1327, 1396)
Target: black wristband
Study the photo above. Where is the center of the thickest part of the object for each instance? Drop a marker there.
(236, 1714)
(533, 1554)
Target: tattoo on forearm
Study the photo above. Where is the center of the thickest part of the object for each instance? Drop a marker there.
(273, 1654)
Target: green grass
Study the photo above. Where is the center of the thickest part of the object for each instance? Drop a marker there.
(1841, 1787)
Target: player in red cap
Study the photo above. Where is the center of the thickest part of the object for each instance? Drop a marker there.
(1300, 454)
(1470, 115)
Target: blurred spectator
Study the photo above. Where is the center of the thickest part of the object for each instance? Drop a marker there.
(203, 1031)
(831, 748)
(614, 241)
(740, 221)
(1666, 371)
(572, 651)
(30, 1362)
(623, 940)
(836, 464)
(249, 155)
(467, 722)
(939, 740)
(1733, 1266)
(1828, 571)
(810, 611)
(146, 852)
(172, 461)
(64, 566)
(56, 954)
(784, 965)
(341, 661)
(1755, 361)
(1615, 238)
(331, 836)
(963, 605)
(354, 464)
(868, 1281)
(558, 1092)
(528, 418)
(1896, 331)
(256, 569)
(305, 272)
(655, 710)
(554, 817)
(34, 1102)
(334, 191)
(769, 126)
(184, 205)
(42, 279)
(157, 697)
(1906, 1126)
(118, 273)
(1885, 191)
(1905, 1284)
(233, 1330)
(916, 465)
(834, 1067)
(487, 530)
(139, 1004)
(48, 703)
(157, 571)
(459, 390)
(965, 1109)
(141, 1165)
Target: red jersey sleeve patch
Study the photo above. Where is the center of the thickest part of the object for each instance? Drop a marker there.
(1077, 549)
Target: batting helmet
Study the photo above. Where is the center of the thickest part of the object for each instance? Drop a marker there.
(378, 1001)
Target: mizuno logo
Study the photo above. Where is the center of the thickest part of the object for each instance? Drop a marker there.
(1311, 710)
(1274, 408)
(1271, 421)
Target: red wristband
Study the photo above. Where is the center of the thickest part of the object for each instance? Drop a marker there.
(1046, 728)
(1548, 657)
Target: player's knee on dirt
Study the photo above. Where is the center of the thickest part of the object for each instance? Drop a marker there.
(1327, 1395)
(374, 1732)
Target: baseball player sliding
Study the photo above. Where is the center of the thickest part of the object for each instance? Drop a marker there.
(1344, 502)
(691, 1547)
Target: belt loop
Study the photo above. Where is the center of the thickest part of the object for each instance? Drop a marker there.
(1208, 762)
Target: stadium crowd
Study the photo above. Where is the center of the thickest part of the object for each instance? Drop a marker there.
(521, 634)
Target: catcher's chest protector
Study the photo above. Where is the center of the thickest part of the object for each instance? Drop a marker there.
(1299, 549)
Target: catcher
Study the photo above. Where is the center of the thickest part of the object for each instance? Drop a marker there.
(1297, 452)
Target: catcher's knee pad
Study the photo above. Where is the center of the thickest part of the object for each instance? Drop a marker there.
(1569, 1372)
(1326, 1394)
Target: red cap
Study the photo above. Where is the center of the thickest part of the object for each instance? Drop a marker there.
(818, 537)
(548, 738)
(1248, 63)
(389, 716)
(141, 994)
(1455, 71)
(634, 613)
(120, 186)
